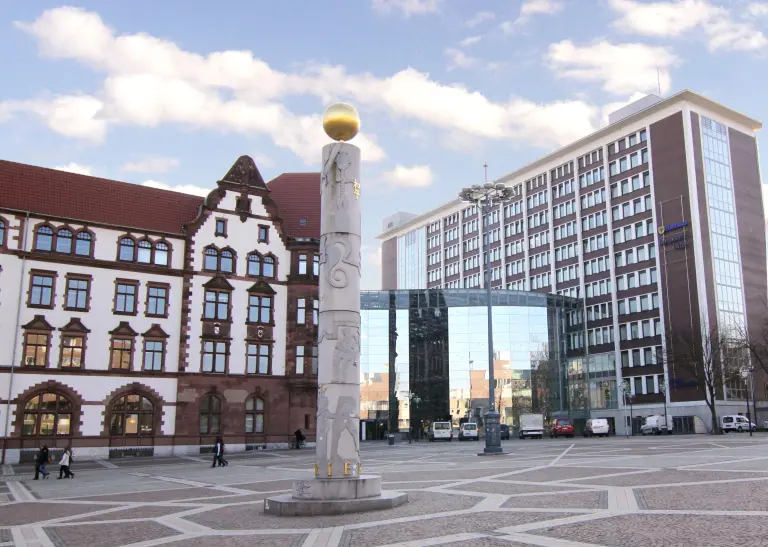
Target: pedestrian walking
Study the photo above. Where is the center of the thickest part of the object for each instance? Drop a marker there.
(218, 454)
(43, 457)
(299, 438)
(222, 461)
(66, 462)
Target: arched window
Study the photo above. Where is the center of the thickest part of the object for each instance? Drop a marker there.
(210, 415)
(254, 415)
(145, 252)
(2, 233)
(44, 241)
(47, 415)
(226, 264)
(83, 244)
(161, 253)
(127, 248)
(64, 241)
(132, 415)
(254, 264)
(211, 261)
(269, 267)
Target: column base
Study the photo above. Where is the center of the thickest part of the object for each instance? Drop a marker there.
(334, 497)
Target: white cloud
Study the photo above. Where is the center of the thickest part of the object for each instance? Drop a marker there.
(757, 9)
(671, 19)
(407, 7)
(529, 9)
(149, 82)
(181, 188)
(459, 59)
(417, 176)
(152, 164)
(480, 17)
(470, 40)
(73, 167)
(621, 68)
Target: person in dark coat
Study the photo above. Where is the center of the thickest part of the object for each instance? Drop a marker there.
(222, 461)
(43, 457)
(299, 438)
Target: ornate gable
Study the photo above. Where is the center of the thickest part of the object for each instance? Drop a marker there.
(123, 329)
(38, 323)
(261, 287)
(75, 325)
(219, 283)
(245, 172)
(155, 331)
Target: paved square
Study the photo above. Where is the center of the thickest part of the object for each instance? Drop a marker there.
(682, 491)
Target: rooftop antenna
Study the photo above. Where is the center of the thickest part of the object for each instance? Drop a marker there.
(485, 165)
(658, 79)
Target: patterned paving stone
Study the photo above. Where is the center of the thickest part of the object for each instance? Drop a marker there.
(666, 531)
(147, 512)
(159, 495)
(450, 474)
(415, 485)
(561, 473)
(441, 526)
(666, 477)
(107, 535)
(24, 513)
(252, 517)
(296, 540)
(504, 488)
(578, 500)
(736, 496)
(486, 542)
(270, 486)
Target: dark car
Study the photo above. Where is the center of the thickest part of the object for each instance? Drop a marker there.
(504, 430)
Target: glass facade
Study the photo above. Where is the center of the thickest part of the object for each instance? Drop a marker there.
(424, 356)
(411, 259)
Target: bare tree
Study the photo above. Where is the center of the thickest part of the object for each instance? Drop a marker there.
(711, 362)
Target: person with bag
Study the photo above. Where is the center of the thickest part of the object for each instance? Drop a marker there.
(65, 463)
(43, 457)
(222, 461)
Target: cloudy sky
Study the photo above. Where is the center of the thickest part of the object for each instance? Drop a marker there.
(171, 93)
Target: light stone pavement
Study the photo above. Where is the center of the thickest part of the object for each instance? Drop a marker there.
(642, 492)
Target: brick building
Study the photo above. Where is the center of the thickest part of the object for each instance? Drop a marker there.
(138, 320)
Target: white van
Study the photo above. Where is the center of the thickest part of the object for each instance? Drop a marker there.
(655, 425)
(440, 431)
(735, 423)
(468, 431)
(597, 426)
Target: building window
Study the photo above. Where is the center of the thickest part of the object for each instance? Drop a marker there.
(650, 386)
(263, 234)
(76, 295)
(154, 354)
(161, 253)
(121, 353)
(254, 264)
(315, 312)
(2, 233)
(157, 301)
(316, 265)
(211, 260)
(83, 244)
(301, 311)
(210, 415)
(126, 249)
(47, 415)
(41, 293)
(44, 239)
(216, 305)
(268, 269)
(299, 359)
(64, 241)
(72, 348)
(125, 298)
(259, 358)
(638, 385)
(36, 349)
(302, 264)
(254, 415)
(226, 261)
(132, 415)
(144, 255)
(260, 309)
(221, 227)
(215, 356)
(315, 359)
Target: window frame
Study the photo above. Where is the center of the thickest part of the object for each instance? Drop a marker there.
(124, 412)
(216, 303)
(254, 412)
(144, 352)
(259, 346)
(121, 242)
(30, 292)
(263, 233)
(46, 348)
(71, 411)
(68, 290)
(36, 243)
(91, 240)
(59, 237)
(220, 230)
(210, 412)
(215, 353)
(157, 286)
(260, 309)
(63, 348)
(122, 351)
(136, 284)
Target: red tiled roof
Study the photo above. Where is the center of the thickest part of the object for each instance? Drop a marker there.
(91, 199)
(297, 196)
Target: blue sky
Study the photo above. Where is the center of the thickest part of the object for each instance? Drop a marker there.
(171, 93)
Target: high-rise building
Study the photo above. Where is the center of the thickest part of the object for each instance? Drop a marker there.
(655, 220)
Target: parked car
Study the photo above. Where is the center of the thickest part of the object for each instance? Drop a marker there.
(597, 427)
(504, 432)
(440, 431)
(654, 425)
(765, 424)
(468, 431)
(736, 423)
(561, 427)
(532, 425)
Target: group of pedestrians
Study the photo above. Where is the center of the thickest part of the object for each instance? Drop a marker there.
(218, 454)
(44, 458)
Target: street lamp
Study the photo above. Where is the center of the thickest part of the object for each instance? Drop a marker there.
(627, 390)
(663, 391)
(488, 196)
(624, 389)
(414, 400)
(746, 374)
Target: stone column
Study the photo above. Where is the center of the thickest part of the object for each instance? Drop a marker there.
(338, 398)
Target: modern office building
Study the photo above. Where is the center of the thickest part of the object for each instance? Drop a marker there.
(142, 321)
(656, 221)
(424, 357)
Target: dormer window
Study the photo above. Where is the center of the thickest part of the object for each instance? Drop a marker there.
(83, 244)
(44, 240)
(161, 254)
(219, 261)
(261, 266)
(263, 234)
(268, 269)
(145, 252)
(211, 261)
(227, 261)
(221, 227)
(126, 249)
(64, 241)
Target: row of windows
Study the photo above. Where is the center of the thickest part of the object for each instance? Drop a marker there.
(562, 189)
(450, 235)
(635, 255)
(596, 265)
(652, 384)
(628, 162)
(591, 177)
(513, 228)
(64, 241)
(518, 285)
(433, 275)
(598, 288)
(450, 252)
(567, 274)
(595, 243)
(592, 157)
(471, 281)
(630, 208)
(434, 241)
(565, 169)
(541, 280)
(450, 219)
(495, 255)
(514, 247)
(636, 279)
(258, 265)
(469, 211)
(594, 220)
(565, 230)
(597, 312)
(628, 141)
(469, 227)
(452, 269)
(564, 209)
(593, 198)
(636, 304)
(470, 244)
(600, 335)
(538, 219)
(537, 240)
(472, 262)
(539, 198)
(633, 231)
(516, 267)
(541, 180)
(433, 258)
(494, 236)
(513, 209)
(640, 329)
(539, 260)
(626, 186)
(490, 218)
(565, 252)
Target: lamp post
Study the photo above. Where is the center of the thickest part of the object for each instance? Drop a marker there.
(746, 373)
(414, 400)
(663, 391)
(486, 197)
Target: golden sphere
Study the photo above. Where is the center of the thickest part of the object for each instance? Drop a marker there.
(341, 121)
